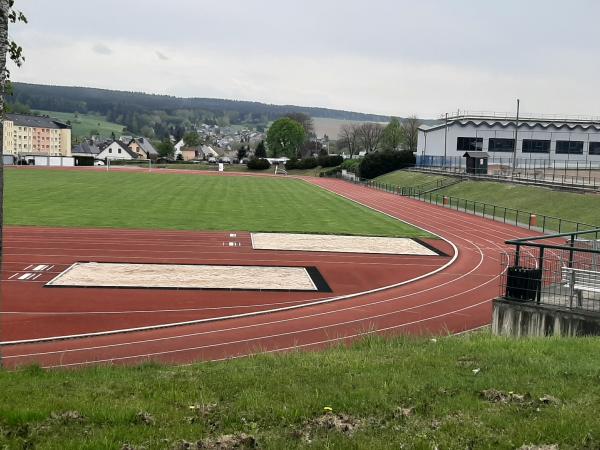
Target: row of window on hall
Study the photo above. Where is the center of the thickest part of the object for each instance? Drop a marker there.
(467, 144)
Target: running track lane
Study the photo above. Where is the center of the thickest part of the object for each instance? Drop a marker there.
(454, 300)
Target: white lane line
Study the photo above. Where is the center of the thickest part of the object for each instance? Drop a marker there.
(25, 276)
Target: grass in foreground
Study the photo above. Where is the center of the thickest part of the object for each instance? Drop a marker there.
(474, 391)
(186, 202)
(84, 124)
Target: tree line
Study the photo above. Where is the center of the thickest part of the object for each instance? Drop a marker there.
(156, 116)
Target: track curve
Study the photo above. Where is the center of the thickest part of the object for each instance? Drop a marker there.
(453, 300)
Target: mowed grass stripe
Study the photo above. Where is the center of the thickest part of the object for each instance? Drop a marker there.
(187, 202)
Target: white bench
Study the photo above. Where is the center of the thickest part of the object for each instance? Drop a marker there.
(579, 281)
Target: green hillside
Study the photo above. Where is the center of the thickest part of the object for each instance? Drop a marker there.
(83, 125)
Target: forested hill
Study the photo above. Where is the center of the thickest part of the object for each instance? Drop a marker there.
(115, 103)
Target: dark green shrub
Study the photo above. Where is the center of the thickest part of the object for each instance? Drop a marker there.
(258, 164)
(292, 163)
(307, 163)
(330, 161)
(351, 165)
(378, 163)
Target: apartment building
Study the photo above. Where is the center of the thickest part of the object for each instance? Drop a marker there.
(34, 135)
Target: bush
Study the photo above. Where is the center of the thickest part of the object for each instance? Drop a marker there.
(330, 172)
(292, 163)
(330, 161)
(307, 163)
(351, 165)
(258, 164)
(379, 163)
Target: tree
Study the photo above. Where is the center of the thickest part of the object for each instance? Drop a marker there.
(191, 139)
(305, 120)
(242, 152)
(348, 139)
(393, 135)
(261, 150)
(166, 149)
(7, 15)
(411, 133)
(369, 136)
(285, 137)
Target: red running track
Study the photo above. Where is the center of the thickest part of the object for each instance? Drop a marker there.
(32, 310)
(453, 300)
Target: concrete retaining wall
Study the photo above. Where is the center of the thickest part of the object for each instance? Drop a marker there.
(527, 319)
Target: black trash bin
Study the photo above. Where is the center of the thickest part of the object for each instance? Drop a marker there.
(523, 283)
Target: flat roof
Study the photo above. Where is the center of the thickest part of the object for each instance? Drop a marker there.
(24, 120)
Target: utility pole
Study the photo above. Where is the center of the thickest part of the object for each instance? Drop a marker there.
(445, 140)
(514, 165)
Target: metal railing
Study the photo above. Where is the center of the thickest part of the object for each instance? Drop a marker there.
(585, 174)
(518, 217)
(524, 117)
(562, 270)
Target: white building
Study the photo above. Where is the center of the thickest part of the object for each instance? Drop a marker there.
(115, 150)
(541, 138)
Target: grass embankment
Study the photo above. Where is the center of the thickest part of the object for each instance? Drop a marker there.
(186, 202)
(577, 207)
(567, 205)
(83, 124)
(473, 391)
(408, 179)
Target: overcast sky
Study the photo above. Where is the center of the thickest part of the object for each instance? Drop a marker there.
(391, 57)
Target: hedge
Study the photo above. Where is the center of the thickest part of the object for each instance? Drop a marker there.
(378, 163)
(258, 164)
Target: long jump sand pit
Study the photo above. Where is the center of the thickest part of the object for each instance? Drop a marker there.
(188, 276)
(340, 244)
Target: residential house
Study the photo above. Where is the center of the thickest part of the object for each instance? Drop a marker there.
(85, 153)
(116, 150)
(143, 148)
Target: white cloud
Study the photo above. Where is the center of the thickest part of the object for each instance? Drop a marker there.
(390, 56)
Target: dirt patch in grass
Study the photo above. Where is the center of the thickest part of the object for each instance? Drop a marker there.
(341, 423)
(225, 442)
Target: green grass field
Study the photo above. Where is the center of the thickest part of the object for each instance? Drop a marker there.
(186, 202)
(84, 124)
(398, 393)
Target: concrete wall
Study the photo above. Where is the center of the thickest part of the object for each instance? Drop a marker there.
(528, 319)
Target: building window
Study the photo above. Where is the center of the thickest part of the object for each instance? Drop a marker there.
(536, 146)
(501, 145)
(119, 150)
(569, 147)
(469, 144)
(594, 148)
(110, 150)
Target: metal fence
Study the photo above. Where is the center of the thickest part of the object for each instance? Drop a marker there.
(566, 172)
(521, 218)
(561, 270)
